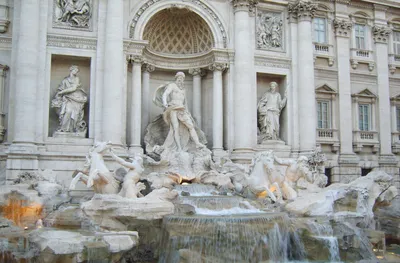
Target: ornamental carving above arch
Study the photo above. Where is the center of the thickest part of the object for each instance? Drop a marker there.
(199, 3)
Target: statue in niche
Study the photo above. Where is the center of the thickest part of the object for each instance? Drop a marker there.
(172, 98)
(269, 109)
(69, 102)
(74, 13)
(269, 30)
(174, 138)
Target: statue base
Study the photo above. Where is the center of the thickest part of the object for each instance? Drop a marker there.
(58, 134)
(279, 147)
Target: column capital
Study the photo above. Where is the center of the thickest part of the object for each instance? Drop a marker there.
(148, 68)
(245, 5)
(197, 72)
(303, 10)
(218, 66)
(342, 27)
(381, 34)
(136, 59)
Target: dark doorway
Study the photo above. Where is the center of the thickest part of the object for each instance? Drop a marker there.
(328, 173)
(365, 171)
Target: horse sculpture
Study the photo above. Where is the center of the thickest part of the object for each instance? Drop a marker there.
(95, 173)
(264, 179)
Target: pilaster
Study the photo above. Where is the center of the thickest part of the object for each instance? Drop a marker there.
(147, 69)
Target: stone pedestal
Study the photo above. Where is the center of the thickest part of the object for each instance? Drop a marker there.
(279, 148)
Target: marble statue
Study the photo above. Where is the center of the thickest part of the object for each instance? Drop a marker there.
(74, 13)
(131, 186)
(173, 138)
(173, 99)
(95, 173)
(269, 109)
(69, 102)
(269, 30)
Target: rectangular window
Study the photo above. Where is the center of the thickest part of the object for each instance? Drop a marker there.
(360, 33)
(320, 30)
(364, 117)
(323, 113)
(398, 118)
(396, 42)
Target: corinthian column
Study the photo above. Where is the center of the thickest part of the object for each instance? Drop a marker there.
(3, 72)
(113, 74)
(197, 74)
(304, 10)
(135, 106)
(343, 33)
(26, 72)
(218, 121)
(146, 98)
(381, 38)
(245, 92)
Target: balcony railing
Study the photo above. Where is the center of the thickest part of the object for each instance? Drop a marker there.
(323, 50)
(365, 138)
(328, 137)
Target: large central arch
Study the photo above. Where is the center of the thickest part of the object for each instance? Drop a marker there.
(149, 8)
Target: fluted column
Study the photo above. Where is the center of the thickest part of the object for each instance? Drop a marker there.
(3, 73)
(112, 128)
(343, 33)
(196, 112)
(146, 97)
(26, 73)
(136, 106)
(245, 92)
(218, 110)
(381, 37)
(304, 11)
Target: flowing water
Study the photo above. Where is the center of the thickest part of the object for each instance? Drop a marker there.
(231, 229)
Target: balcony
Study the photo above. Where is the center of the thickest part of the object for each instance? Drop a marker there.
(362, 56)
(365, 138)
(323, 50)
(396, 142)
(394, 62)
(330, 137)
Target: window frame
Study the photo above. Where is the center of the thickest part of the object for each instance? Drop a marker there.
(396, 43)
(317, 32)
(361, 117)
(328, 114)
(358, 43)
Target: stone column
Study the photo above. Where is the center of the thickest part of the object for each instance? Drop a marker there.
(135, 107)
(112, 128)
(26, 74)
(304, 10)
(196, 113)
(3, 73)
(218, 110)
(293, 91)
(146, 97)
(343, 33)
(381, 37)
(245, 92)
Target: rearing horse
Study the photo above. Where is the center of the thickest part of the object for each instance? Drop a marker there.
(95, 173)
(262, 179)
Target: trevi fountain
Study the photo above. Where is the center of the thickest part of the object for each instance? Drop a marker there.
(154, 142)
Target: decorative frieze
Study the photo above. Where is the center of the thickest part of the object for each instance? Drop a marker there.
(71, 42)
(75, 14)
(273, 62)
(302, 9)
(342, 27)
(269, 34)
(381, 34)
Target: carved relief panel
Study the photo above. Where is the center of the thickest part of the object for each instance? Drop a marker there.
(269, 30)
(73, 14)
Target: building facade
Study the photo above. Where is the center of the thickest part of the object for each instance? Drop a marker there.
(336, 64)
